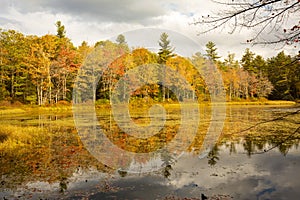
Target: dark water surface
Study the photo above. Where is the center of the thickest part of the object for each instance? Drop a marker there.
(256, 157)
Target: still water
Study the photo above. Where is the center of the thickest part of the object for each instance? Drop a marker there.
(256, 156)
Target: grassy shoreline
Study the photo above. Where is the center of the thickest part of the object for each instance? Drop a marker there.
(20, 109)
(268, 102)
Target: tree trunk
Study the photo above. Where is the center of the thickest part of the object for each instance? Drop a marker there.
(38, 95)
(12, 85)
(50, 94)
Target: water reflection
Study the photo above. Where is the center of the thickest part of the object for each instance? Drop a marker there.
(213, 155)
(260, 163)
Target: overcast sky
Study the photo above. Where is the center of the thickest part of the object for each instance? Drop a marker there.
(95, 20)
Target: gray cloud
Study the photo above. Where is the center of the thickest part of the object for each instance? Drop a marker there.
(93, 20)
(5, 5)
(129, 11)
(149, 37)
(4, 20)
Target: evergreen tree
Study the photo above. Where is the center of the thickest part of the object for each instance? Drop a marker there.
(165, 52)
(259, 65)
(61, 32)
(247, 60)
(253, 64)
(211, 51)
(121, 40)
(281, 72)
(13, 75)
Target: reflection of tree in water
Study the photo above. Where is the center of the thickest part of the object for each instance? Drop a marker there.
(168, 160)
(248, 145)
(281, 132)
(232, 148)
(261, 143)
(53, 155)
(122, 173)
(63, 184)
(213, 155)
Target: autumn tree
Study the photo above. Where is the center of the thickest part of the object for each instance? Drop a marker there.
(102, 63)
(247, 81)
(231, 83)
(143, 57)
(230, 68)
(201, 88)
(63, 71)
(84, 49)
(185, 68)
(272, 21)
(3, 70)
(230, 62)
(39, 69)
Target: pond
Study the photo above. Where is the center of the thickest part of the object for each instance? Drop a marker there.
(45, 155)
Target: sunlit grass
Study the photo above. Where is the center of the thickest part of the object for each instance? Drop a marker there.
(16, 136)
(8, 111)
(261, 103)
(40, 151)
(66, 121)
(135, 105)
(55, 108)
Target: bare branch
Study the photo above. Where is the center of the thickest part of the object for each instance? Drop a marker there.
(268, 121)
(267, 17)
(231, 4)
(274, 120)
(237, 13)
(290, 136)
(270, 18)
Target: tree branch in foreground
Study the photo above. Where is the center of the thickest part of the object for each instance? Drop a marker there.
(288, 137)
(272, 21)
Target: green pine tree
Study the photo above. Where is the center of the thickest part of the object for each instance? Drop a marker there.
(211, 51)
(165, 52)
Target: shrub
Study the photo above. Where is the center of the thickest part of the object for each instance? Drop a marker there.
(102, 101)
(3, 136)
(5, 103)
(17, 104)
(63, 103)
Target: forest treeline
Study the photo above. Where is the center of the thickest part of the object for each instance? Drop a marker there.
(42, 70)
